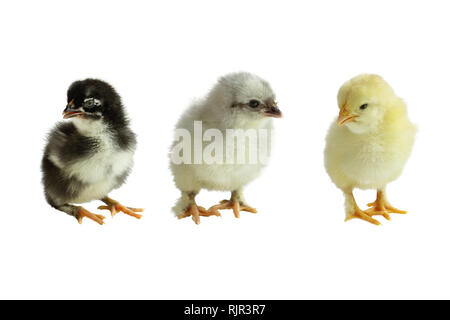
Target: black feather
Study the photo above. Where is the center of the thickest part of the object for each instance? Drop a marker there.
(68, 145)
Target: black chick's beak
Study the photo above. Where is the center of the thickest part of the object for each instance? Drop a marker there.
(272, 111)
(70, 111)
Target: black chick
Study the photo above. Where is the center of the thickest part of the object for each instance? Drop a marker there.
(90, 155)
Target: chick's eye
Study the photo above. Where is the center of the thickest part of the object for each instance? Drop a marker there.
(364, 106)
(253, 103)
(91, 102)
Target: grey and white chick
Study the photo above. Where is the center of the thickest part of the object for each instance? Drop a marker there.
(91, 154)
(242, 102)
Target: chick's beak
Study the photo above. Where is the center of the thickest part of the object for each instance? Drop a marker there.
(272, 111)
(345, 116)
(70, 111)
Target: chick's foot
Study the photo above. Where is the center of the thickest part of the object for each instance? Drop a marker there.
(115, 207)
(236, 205)
(382, 207)
(83, 213)
(196, 212)
(359, 214)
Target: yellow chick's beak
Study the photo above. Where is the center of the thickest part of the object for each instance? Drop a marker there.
(345, 116)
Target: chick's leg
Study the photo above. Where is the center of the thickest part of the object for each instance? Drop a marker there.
(237, 203)
(115, 207)
(79, 213)
(353, 211)
(187, 207)
(381, 206)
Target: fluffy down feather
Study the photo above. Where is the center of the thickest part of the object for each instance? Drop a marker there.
(220, 110)
(371, 141)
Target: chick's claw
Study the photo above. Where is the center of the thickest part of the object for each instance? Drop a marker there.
(237, 207)
(376, 206)
(359, 214)
(196, 212)
(382, 207)
(83, 213)
(373, 212)
(115, 207)
(384, 211)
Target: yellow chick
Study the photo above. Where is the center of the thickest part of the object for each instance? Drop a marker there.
(369, 144)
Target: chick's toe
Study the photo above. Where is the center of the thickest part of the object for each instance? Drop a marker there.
(359, 214)
(196, 212)
(354, 211)
(382, 207)
(236, 205)
(83, 213)
(115, 207)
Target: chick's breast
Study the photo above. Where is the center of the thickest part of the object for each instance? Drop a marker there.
(368, 161)
(223, 175)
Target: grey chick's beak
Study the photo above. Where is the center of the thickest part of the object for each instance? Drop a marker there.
(272, 111)
(70, 111)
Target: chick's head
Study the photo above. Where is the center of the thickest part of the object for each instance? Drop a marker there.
(363, 102)
(245, 96)
(93, 100)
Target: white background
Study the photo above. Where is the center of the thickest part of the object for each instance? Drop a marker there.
(160, 55)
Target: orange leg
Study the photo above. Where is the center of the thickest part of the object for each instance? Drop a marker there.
(382, 207)
(196, 212)
(83, 213)
(235, 204)
(356, 212)
(115, 207)
(192, 209)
